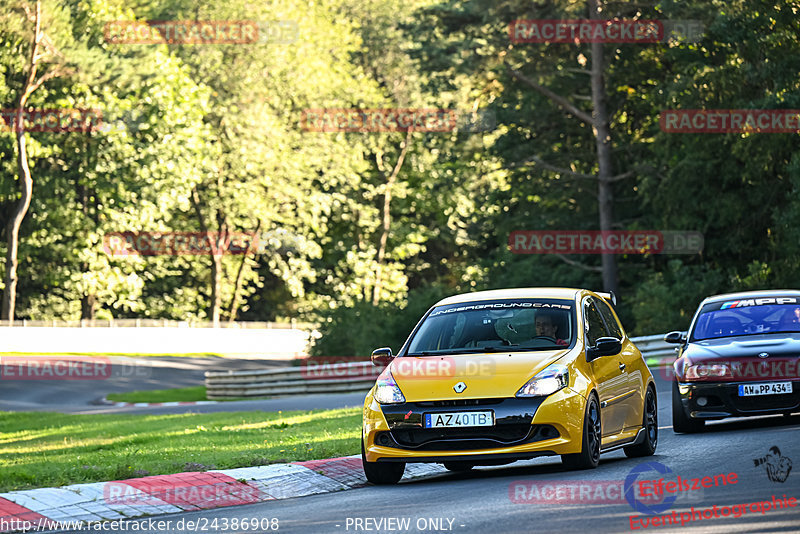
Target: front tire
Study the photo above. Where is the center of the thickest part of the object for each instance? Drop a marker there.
(650, 425)
(382, 473)
(589, 457)
(682, 423)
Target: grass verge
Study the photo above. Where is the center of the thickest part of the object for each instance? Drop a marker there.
(190, 394)
(43, 449)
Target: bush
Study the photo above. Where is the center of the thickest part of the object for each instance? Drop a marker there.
(667, 300)
(358, 330)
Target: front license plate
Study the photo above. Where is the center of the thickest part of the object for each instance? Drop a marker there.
(458, 419)
(768, 388)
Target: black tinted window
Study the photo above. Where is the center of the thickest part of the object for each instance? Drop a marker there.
(595, 327)
(743, 317)
(525, 324)
(611, 322)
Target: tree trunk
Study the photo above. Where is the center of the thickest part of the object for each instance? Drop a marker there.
(26, 181)
(88, 307)
(217, 249)
(237, 287)
(387, 216)
(14, 224)
(216, 283)
(89, 299)
(599, 120)
(602, 132)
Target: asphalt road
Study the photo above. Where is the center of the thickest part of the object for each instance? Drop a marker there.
(482, 501)
(82, 393)
(305, 402)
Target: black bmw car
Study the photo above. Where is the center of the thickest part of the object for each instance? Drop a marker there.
(740, 357)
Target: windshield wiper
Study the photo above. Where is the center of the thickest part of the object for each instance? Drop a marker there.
(504, 348)
(465, 350)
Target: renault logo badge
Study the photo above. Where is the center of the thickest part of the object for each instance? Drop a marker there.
(764, 355)
(461, 386)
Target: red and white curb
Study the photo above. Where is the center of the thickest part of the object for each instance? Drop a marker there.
(54, 508)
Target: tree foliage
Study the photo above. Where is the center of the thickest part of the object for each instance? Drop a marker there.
(363, 231)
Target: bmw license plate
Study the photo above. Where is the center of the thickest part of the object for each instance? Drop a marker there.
(458, 419)
(768, 388)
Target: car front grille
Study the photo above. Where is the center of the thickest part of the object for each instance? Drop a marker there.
(452, 439)
(459, 402)
(759, 403)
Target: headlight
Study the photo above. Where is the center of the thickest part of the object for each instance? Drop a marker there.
(704, 371)
(387, 390)
(546, 382)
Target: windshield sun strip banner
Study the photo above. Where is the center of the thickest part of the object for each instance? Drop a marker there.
(498, 305)
(747, 303)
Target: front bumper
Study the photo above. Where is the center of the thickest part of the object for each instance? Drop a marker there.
(523, 428)
(717, 400)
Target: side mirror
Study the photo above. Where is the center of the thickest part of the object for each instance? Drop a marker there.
(382, 357)
(674, 337)
(605, 346)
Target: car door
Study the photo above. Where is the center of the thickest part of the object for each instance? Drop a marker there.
(633, 402)
(608, 373)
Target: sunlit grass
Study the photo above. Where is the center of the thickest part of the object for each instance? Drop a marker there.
(190, 394)
(51, 449)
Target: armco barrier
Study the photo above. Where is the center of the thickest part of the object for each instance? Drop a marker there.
(333, 378)
(656, 352)
(353, 376)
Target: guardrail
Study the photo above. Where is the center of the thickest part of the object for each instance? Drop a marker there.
(303, 380)
(347, 377)
(656, 352)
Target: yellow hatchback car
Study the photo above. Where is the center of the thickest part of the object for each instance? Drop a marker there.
(492, 377)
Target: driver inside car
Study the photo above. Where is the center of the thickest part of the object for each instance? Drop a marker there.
(545, 326)
(790, 322)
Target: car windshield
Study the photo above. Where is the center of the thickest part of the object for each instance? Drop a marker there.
(746, 317)
(492, 326)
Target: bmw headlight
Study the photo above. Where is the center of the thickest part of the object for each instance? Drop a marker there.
(387, 391)
(546, 382)
(704, 371)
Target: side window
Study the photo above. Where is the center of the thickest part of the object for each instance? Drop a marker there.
(594, 325)
(611, 322)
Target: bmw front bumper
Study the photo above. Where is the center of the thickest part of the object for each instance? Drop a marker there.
(717, 400)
